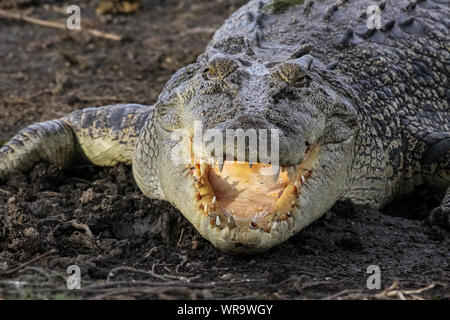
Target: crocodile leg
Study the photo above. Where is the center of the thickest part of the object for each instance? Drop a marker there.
(436, 171)
(103, 136)
(108, 135)
(441, 215)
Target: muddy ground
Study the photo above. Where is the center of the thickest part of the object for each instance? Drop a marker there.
(128, 246)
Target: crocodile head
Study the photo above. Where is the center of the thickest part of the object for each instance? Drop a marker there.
(294, 125)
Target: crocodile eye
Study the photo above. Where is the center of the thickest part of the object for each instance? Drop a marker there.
(292, 74)
(220, 68)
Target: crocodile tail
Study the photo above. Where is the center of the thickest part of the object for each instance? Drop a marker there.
(50, 141)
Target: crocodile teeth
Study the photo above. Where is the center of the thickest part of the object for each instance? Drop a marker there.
(290, 222)
(231, 222)
(218, 221)
(274, 226)
(303, 179)
(221, 166)
(213, 200)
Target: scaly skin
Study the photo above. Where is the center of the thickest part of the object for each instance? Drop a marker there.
(363, 113)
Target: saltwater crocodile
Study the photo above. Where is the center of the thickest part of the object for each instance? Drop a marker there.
(361, 113)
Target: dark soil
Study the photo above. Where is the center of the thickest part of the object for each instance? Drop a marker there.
(128, 246)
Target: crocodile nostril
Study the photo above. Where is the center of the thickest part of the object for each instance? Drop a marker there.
(245, 63)
(292, 74)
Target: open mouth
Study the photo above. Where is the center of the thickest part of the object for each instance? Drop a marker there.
(240, 195)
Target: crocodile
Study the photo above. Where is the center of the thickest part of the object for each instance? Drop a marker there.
(359, 107)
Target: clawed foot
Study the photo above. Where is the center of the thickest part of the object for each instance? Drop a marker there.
(440, 216)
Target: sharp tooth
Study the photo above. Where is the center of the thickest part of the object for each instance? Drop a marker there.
(274, 226)
(217, 221)
(303, 179)
(221, 166)
(276, 175)
(231, 222)
(205, 210)
(290, 222)
(213, 200)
